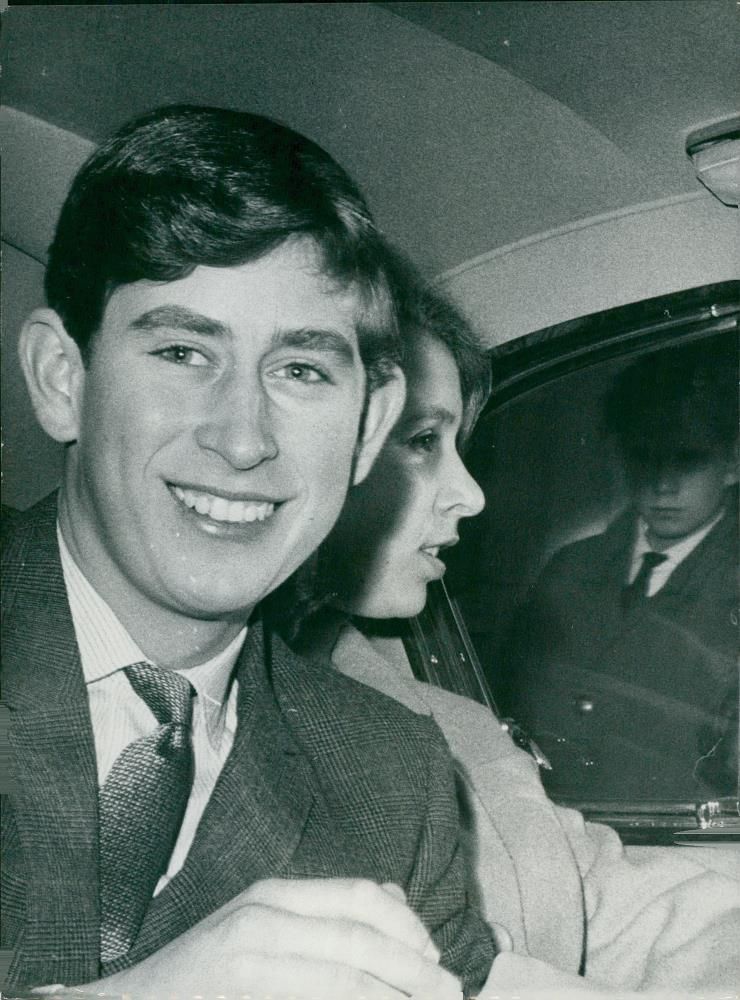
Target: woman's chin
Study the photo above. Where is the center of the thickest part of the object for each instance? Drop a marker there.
(388, 605)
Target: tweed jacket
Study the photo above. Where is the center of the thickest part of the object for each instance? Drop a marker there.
(576, 913)
(326, 778)
(661, 680)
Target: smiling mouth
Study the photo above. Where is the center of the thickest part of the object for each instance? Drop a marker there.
(222, 509)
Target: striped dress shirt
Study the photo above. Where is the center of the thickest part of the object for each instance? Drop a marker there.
(120, 716)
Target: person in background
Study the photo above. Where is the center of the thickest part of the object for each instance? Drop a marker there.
(571, 911)
(640, 622)
(196, 810)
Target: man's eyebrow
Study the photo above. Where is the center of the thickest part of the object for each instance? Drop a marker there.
(176, 317)
(180, 318)
(327, 341)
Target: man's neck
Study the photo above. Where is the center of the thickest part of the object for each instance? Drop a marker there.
(167, 637)
(178, 644)
(664, 544)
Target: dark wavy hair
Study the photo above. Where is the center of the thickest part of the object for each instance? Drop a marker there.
(187, 185)
(424, 310)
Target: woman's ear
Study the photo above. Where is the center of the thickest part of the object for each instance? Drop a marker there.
(384, 407)
(54, 373)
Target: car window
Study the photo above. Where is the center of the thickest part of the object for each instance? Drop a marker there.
(624, 675)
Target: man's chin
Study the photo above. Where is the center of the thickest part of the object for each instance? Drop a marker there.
(669, 532)
(211, 603)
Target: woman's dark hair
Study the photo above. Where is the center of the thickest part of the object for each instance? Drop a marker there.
(187, 185)
(424, 310)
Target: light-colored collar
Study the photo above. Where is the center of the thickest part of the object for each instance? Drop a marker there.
(676, 553)
(380, 663)
(212, 681)
(106, 646)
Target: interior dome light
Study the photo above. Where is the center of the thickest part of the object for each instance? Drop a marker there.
(715, 153)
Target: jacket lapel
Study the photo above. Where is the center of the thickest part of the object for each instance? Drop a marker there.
(254, 819)
(54, 802)
(616, 554)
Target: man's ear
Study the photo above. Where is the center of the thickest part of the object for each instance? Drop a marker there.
(54, 373)
(383, 409)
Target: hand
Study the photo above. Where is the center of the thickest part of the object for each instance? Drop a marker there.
(336, 939)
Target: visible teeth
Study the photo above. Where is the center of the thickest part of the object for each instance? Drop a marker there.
(220, 509)
(433, 550)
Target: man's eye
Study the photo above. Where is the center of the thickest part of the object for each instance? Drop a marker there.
(300, 372)
(425, 441)
(179, 354)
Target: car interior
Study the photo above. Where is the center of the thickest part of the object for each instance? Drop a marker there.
(569, 174)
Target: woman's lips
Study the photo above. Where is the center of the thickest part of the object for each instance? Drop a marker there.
(431, 556)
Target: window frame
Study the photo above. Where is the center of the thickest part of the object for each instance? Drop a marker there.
(437, 642)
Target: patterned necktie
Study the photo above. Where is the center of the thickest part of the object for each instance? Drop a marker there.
(637, 591)
(142, 803)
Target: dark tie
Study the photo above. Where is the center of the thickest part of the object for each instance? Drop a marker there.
(142, 802)
(637, 591)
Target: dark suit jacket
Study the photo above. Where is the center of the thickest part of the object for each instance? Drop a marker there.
(326, 778)
(627, 704)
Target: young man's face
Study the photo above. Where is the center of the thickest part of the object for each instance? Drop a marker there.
(218, 422)
(677, 496)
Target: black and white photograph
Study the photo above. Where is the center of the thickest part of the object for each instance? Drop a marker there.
(370, 463)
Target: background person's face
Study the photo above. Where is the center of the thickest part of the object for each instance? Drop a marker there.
(386, 547)
(219, 418)
(678, 496)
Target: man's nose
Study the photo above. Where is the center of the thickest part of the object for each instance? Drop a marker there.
(666, 479)
(460, 492)
(239, 425)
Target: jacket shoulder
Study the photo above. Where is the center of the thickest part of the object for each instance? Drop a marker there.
(9, 519)
(722, 541)
(619, 534)
(18, 528)
(25, 534)
(335, 714)
(344, 697)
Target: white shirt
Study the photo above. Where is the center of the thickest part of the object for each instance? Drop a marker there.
(674, 554)
(120, 716)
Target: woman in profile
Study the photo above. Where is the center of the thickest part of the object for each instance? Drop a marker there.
(561, 895)
(389, 542)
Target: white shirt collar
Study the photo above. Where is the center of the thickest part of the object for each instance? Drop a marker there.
(675, 554)
(106, 647)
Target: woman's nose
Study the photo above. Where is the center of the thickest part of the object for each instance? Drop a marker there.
(461, 492)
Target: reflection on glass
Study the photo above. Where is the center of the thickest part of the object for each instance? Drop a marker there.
(600, 586)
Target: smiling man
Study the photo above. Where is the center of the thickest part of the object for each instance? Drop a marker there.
(197, 809)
